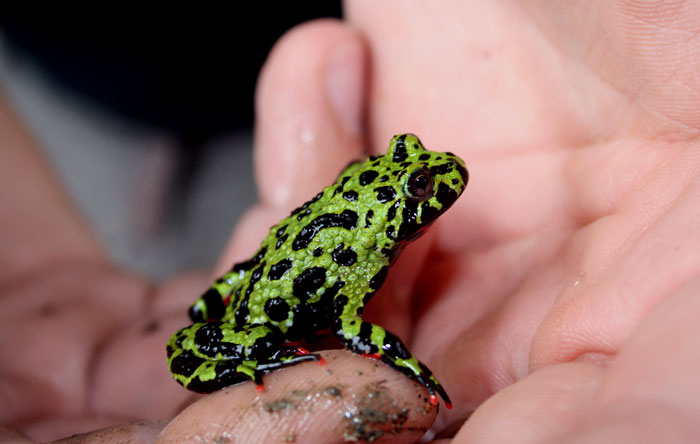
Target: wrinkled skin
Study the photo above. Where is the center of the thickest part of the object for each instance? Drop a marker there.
(557, 302)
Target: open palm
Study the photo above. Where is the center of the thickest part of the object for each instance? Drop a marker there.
(558, 295)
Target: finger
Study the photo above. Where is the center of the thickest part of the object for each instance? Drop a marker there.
(350, 398)
(309, 114)
(626, 263)
(54, 329)
(38, 224)
(647, 393)
(651, 392)
(555, 399)
(142, 431)
(309, 111)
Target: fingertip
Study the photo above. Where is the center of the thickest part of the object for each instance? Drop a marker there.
(309, 110)
(555, 398)
(344, 78)
(351, 398)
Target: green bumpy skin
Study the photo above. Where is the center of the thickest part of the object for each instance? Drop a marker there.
(316, 270)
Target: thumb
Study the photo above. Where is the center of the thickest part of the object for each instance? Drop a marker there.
(309, 113)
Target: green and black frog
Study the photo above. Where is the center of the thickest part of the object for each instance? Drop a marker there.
(316, 270)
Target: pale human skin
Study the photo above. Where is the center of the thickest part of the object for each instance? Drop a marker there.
(568, 274)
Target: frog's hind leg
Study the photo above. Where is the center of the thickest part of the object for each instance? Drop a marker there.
(373, 341)
(206, 357)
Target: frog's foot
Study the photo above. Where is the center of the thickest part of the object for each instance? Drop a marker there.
(300, 351)
(208, 356)
(289, 355)
(286, 356)
(375, 342)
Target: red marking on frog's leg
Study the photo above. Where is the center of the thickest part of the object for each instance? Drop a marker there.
(434, 401)
(372, 355)
(300, 351)
(260, 388)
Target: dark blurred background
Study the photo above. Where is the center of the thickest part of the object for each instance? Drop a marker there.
(147, 116)
(191, 73)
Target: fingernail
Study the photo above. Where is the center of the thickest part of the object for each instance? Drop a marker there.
(345, 84)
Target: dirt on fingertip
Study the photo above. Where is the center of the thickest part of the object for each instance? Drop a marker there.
(297, 398)
(376, 413)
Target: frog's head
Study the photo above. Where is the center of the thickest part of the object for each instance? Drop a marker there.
(393, 198)
(429, 183)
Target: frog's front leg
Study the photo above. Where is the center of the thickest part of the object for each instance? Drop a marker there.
(371, 340)
(208, 356)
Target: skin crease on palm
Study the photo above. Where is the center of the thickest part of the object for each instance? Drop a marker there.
(557, 301)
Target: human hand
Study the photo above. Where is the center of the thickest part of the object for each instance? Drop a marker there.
(557, 295)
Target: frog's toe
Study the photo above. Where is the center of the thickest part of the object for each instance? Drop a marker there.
(301, 351)
(288, 355)
(434, 386)
(427, 379)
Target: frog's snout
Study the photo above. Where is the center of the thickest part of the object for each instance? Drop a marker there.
(459, 177)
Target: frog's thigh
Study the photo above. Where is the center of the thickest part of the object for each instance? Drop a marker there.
(221, 341)
(207, 356)
(222, 354)
(211, 305)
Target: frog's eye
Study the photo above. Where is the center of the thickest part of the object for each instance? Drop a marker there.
(420, 184)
